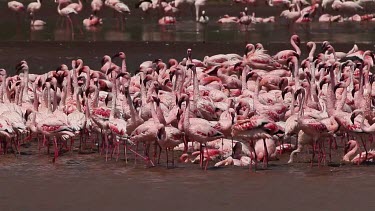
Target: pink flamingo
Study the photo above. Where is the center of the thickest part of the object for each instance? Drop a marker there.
(197, 129)
(351, 148)
(66, 12)
(228, 19)
(283, 56)
(96, 6)
(33, 7)
(17, 7)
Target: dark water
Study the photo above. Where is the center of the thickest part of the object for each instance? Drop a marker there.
(143, 39)
(87, 182)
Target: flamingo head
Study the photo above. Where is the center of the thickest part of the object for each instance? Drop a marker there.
(298, 92)
(354, 114)
(108, 98)
(183, 98)
(338, 85)
(310, 44)
(121, 55)
(296, 39)
(21, 66)
(324, 46)
(81, 80)
(105, 59)
(3, 72)
(188, 52)
(161, 133)
(371, 79)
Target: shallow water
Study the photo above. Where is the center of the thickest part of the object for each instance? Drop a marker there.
(76, 182)
(87, 182)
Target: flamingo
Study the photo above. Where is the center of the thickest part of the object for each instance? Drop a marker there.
(203, 18)
(198, 4)
(347, 6)
(351, 148)
(228, 19)
(284, 55)
(16, 7)
(76, 6)
(67, 12)
(33, 7)
(145, 5)
(96, 6)
(197, 129)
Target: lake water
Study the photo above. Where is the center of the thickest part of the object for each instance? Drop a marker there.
(87, 182)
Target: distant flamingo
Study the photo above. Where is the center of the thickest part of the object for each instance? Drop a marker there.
(76, 6)
(33, 7)
(347, 6)
(66, 12)
(96, 6)
(17, 7)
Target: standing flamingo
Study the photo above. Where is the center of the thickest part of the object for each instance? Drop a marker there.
(66, 12)
(32, 8)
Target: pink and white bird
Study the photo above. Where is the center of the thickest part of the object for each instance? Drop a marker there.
(16, 6)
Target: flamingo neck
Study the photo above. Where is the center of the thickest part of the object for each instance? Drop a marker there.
(54, 100)
(160, 115)
(76, 94)
(96, 98)
(69, 84)
(312, 52)
(360, 92)
(143, 93)
(74, 73)
(186, 122)
(123, 65)
(196, 87)
(2, 89)
(87, 109)
(132, 110)
(49, 107)
(114, 101)
(302, 103)
(296, 71)
(153, 112)
(243, 79)
(298, 8)
(350, 154)
(295, 46)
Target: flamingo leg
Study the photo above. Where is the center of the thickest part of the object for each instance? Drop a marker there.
(172, 158)
(364, 146)
(106, 147)
(166, 152)
(313, 155)
(207, 159)
(201, 155)
(125, 151)
(265, 158)
(56, 154)
(160, 149)
(71, 26)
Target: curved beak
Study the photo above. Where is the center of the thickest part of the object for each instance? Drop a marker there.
(299, 91)
(336, 87)
(352, 117)
(321, 84)
(115, 56)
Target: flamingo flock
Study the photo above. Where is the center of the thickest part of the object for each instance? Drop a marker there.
(296, 11)
(228, 109)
